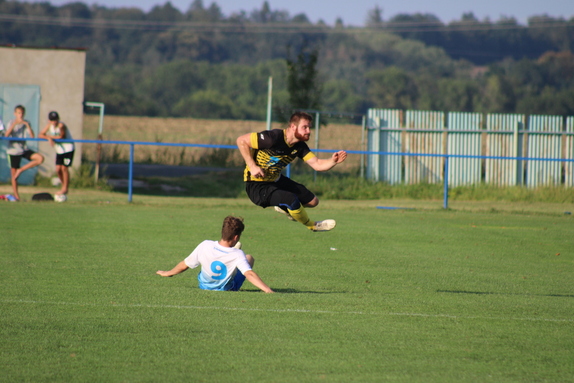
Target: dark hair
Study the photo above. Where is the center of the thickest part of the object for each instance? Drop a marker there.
(232, 226)
(21, 107)
(298, 116)
(53, 116)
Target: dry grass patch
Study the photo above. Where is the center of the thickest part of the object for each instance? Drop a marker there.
(198, 131)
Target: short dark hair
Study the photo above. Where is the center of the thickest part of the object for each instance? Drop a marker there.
(298, 116)
(232, 226)
(53, 116)
(21, 107)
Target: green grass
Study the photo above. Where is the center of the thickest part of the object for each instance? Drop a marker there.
(425, 295)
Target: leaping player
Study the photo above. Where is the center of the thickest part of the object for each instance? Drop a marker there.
(267, 153)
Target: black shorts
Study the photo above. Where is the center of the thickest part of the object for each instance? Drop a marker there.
(65, 159)
(282, 192)
(15, 160)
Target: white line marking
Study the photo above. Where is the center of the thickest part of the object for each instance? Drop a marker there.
(286, 310)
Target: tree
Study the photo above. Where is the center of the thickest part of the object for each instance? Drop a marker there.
(195, 6)
(206, 104)
(165, 13)
(457, 95)
(375, 18)
(170, 82)
(263, 15)
(197, 12)
(392, 88)
(340, 96)
(302, 79)
(498, 95)
(548, 102)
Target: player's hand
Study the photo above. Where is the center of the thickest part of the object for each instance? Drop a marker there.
(339, 157)
(163, 273)
(257, 172)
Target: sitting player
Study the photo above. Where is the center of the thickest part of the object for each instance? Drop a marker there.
(224, 266)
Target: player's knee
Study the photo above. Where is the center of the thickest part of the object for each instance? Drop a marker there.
(313, 203)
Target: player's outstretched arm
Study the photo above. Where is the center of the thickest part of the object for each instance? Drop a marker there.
(257, 282)
(327, 164)
(179, 268)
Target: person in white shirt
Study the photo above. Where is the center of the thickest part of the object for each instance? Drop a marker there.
(224, 266)
(57, 130)
(17, 149)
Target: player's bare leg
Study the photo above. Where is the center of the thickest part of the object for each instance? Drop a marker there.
(14, 181)
(64, 176)
(35, 160)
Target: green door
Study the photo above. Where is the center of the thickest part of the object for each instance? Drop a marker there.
(10, 96)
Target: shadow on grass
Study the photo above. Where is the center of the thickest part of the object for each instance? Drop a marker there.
(492, 293)
(294, 291)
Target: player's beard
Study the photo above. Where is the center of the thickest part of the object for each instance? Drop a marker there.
(302, 137)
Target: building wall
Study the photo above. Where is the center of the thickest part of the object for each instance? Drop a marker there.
(60, 75)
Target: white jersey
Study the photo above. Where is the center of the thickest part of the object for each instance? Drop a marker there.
(61, 147)
(17, 148)
(219, 265)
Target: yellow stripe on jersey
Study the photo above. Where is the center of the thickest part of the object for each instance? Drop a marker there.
(254, 143)
(308, 156)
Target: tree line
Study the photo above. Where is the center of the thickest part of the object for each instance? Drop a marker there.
(201, 63)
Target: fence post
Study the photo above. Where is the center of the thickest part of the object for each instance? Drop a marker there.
(131, 173)
(317, 125)
(445, 189)
(363, 147)
(100, 137)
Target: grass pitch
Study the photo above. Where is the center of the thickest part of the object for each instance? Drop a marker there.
(390, 295)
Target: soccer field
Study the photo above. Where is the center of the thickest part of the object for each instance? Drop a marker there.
(420, 295)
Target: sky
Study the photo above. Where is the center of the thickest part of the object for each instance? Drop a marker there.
(354, 13)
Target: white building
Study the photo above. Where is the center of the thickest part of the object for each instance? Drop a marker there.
(42, 80)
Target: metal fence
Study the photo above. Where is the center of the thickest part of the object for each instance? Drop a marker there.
(497, 149)
(395, 151)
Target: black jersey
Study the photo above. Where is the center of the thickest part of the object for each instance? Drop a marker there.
(271, 153)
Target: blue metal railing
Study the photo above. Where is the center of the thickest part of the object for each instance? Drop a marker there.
(359, 152)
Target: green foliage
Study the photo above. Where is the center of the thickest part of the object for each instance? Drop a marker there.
(498, 95)
(170, 83)
(350, 187)
(340, 95)
(392, 88)
(302, 80)
(219, 184)
(81, 178)
(203, 64)
(457, 95)
(84, 178)
(206, 104)
(337, 186)
(558, 194)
